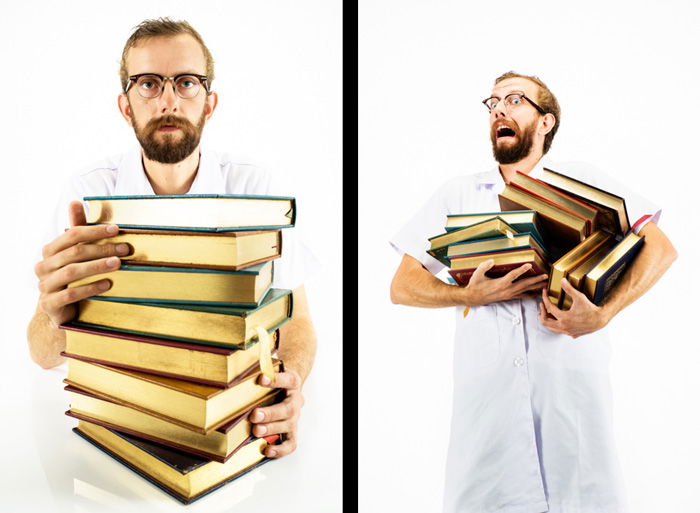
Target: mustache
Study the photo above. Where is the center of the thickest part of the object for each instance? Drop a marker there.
(168, 119)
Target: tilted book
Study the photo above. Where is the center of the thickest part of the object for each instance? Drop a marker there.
(224, 326)
(182, 285)
(523, 221)
(204, 212)
(183, 476)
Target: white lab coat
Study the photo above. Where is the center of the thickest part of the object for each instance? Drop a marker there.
(531, 427)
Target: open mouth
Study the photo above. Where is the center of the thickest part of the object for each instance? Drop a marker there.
(504, 131)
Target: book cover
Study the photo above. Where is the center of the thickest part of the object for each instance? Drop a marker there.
(490, 228)
(606, 273)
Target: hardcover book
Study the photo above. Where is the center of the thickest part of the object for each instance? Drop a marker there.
(578, 274)
(462, 268)
(219, 445)
(613, 211)
(203, 212)
(605, 274)
(183, 476)
(517, 241)
(200, 408)
(203, 364)
(181, 285)
(524, 221)
(208, 250)
(224, 326)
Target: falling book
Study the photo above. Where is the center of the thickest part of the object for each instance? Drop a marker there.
(225, 326)
(562, 267)
(462, 268)
(605, 273)
(210, 250)
(200, 408)
(204, 212)
(219, 445)
(182, 475)
(524, 221)
(198, 363)
(613, 211)
(176, 284)
(493, 227)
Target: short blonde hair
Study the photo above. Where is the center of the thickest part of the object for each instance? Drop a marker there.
(163, 27)
(545, 99)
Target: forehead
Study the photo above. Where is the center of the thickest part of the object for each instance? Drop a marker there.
(510, 85)
(166, 55)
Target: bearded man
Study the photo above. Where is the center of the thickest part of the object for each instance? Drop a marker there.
(166, 77)
(531, 425)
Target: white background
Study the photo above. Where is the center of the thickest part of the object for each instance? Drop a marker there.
(626, 76)
(278, 75)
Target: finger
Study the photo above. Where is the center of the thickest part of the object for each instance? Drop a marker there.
(287, 379)
(274, 428)
(534, 283)
(76, 214)
(52, 303)
(545, 307)
(517, 272)
(77, 271)
(285, 448)
(287, 409)
(82, 253)
(576, 295)
(78, 234)
(481, 269)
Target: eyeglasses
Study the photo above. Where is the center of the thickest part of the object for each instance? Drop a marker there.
(510, 101)
(151, 85)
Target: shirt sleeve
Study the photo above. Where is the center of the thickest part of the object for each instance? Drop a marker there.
(428, 221)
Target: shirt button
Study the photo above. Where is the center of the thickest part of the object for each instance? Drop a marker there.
(516, 321)
(518, 362)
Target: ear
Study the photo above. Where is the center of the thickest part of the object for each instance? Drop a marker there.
(548, 122)
(210, 104)
(125, 108)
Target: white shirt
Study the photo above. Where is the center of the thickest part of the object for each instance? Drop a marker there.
(217, 174)
(531, 427)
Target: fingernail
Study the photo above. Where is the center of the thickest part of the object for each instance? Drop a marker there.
(122, 249)
(258, 416)
(112, 229)
(264, 380)
(271, 453)
(112, 262)
(261, 430)
(104, 285)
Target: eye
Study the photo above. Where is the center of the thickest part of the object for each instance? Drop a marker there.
(149, 82)
(187, 82)
(516, 100)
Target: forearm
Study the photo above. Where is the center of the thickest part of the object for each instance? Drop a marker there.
(297, 348)
(45, 341)
(654, 259)
(413, 285)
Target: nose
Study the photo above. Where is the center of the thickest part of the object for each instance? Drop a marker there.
(169, 100)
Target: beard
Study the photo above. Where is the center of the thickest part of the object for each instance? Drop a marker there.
(166, 148)
(510, 153)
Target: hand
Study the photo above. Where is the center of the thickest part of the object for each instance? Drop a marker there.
(280, 418)
(67, 258)
(583, 317)
(483, 290)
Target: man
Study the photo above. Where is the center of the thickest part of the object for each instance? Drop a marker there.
(531, 429)
(166, 75)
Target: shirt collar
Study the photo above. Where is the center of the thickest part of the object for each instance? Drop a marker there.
(493, 177)
(132, 180)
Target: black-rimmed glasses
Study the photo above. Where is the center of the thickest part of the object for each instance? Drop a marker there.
(510, 101)
(151, 85)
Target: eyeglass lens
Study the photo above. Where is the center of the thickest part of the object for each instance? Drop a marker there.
(511, 100)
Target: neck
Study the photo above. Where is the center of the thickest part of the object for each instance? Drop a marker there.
(172, 178)
(524, 166)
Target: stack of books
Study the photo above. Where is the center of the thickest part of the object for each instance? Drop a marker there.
(558, 225)
(163, 367)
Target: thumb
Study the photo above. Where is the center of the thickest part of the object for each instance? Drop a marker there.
(76, 214)
(482, 268)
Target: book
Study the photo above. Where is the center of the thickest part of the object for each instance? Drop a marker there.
(493, 227)
(613, 211)
(200, 408)
(560, 269)
(563, 229)
(219, 445)
(517, 241)
(462, 268)
(605, 273)
(224, 326)
(203, 212)
(542, 190)
(209, 250)
(183, 476)
(577, 275)
(245, 287)
(203, 364)
(524, 221)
